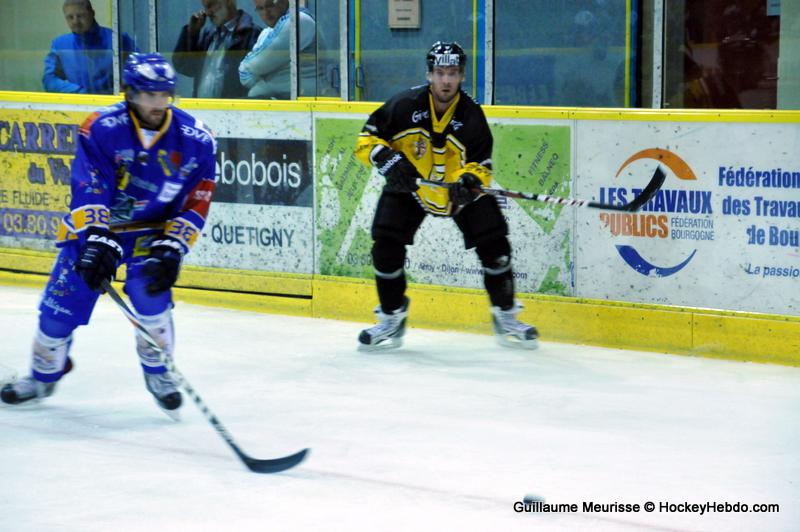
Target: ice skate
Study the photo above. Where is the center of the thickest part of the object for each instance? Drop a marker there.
(511, 332)
(165, 391)
(26, 389)
(388, 333)
(29, 388)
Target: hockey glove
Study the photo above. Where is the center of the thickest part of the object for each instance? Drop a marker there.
(400, 174)
(163, 264)
(466, 189)
(99, 258)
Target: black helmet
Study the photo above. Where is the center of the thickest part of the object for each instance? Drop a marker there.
(446, 54)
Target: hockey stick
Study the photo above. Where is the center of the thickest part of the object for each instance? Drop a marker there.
(637, 203)
(274, 465)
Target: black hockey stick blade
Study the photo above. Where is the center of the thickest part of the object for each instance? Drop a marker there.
(271, 465)
(649, 191)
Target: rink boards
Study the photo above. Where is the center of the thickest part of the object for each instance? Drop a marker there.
(289, 228)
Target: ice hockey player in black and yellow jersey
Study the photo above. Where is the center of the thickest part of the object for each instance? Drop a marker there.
(436, 132)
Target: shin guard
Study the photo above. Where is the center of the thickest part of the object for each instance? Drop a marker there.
(50, 357)
(495, 256)
(161, 329)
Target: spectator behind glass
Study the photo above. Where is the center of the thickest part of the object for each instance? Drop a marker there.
(212, 45)
(82, 61)
(265, 71)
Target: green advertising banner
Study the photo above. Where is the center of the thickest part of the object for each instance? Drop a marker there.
(340, 181)
(532, 158)
(536, 158)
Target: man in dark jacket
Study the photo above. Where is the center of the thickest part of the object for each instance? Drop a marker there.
(211, 53)
(81, 61)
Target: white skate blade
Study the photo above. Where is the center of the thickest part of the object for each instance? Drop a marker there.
(385, 345)
(174, 415)
(30, 404)
(507, 340)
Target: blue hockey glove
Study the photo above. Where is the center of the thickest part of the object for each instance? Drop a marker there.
(163, 264)
(400, 174)
(99, 258)
(466, 189)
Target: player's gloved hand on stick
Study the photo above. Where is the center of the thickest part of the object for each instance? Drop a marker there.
(400, 174)
(466, 189)
(163, 264)
(99, 258)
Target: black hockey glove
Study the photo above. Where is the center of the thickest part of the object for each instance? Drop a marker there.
(163, 264)
(466, 189)
(400, 174)
(99, 258)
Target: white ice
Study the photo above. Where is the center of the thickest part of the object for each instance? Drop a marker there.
(446, 433)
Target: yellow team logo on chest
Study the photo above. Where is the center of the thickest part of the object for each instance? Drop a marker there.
(420, 148)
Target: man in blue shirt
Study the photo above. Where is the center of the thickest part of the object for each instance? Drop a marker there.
(82, 61)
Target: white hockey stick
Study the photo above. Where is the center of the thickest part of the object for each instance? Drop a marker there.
(633, 206)
(274, 465)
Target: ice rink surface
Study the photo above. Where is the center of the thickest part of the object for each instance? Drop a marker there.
(446, 433)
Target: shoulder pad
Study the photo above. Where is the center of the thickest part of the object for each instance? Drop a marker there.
(108, 117)
(195, 129)
(86, 126)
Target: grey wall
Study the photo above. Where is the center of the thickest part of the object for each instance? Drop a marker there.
(393, 60)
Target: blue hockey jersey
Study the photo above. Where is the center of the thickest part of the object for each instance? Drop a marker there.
(119, 184)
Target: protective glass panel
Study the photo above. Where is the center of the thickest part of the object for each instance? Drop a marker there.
(721, 54)
(206, 42)
(319, 57)
(568, 53)
(388, 60)
(54, 46)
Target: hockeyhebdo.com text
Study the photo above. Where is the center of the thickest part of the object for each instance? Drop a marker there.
(538, 505)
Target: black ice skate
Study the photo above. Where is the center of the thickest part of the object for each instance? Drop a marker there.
(389, 331)
(165, 392)
(29, 388)
(511, 332)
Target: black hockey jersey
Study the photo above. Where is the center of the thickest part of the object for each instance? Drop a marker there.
(441, 148)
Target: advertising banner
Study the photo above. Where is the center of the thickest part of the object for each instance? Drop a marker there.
(261, 216)
(723, 232)
(36, 151)
(263, 172)
(532, 157)
(256, 237)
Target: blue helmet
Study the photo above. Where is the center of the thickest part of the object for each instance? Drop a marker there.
(149, 72)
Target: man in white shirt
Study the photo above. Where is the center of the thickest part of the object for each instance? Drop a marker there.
(265, 71)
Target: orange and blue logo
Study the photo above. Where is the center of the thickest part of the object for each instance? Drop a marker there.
(672, 218)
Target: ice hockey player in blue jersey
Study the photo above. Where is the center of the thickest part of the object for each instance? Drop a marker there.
(141, 184)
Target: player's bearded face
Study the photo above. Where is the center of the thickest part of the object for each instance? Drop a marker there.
(151, 107)
(445, 82)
